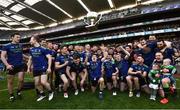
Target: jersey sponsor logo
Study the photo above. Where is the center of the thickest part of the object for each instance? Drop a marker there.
(16, 49)
(36, 52)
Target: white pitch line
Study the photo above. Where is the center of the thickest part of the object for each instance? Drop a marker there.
(3, 90)
(6, 89)
(16, 87)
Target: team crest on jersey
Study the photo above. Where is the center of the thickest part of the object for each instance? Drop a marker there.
(108, 64)
(37, 50)
(93, 66)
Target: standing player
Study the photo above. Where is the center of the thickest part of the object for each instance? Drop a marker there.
(147, 49)
(167, 51)
(111, 73)
(43, 43)
(57, 78)
(123, 66)
(41, 66)
(95, 73)
(53, 55)
(61, 63)
(12, 57)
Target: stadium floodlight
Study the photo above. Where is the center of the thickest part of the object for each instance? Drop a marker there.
(67, 21)
(38, 27)
(53, 24)
(126, 7)
(22, 29)
(91, 19)
(151, 2)
(59, 8)
(105, 12)
(84, 6)
(110, 3)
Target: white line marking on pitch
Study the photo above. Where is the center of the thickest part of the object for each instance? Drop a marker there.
(16, 87)
(3, 90)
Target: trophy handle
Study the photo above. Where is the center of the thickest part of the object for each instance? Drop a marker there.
(100, 16)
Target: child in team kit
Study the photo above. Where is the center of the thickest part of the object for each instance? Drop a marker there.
(154, 77)
(168, 81)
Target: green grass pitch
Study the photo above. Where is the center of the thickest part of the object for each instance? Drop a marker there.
(86, 100)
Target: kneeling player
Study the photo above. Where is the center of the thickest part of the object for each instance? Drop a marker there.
(137, 73)
(41, 67)
(74, 69)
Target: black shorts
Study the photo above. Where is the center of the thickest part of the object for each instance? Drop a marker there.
(61, 73)
(39, 72)
(109, 79)
(16, 69)
(136, 75)
(77, 72)
(143, 82)
(122, 79)
(94, 82)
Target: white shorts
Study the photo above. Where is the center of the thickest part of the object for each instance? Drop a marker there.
(153, 86)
